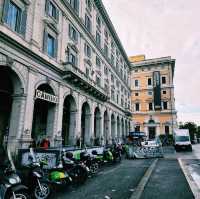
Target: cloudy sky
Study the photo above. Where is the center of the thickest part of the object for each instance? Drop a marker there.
(159, 28)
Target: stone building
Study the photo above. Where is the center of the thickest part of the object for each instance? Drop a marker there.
(152, 95)
(64, 74)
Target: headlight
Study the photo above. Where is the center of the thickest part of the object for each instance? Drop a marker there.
(37, 174)
(14, 180)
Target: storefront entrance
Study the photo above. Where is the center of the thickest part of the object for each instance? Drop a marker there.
(152, 132)
(6, 91)
(44, 111)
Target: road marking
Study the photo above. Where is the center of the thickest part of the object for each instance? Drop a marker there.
(140, 188)
(190, 180)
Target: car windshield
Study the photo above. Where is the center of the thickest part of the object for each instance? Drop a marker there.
(182, 138)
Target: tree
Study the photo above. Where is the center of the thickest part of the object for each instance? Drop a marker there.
(192, 128)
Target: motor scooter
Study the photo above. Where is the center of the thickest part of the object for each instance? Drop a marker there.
(33, 176)
(11, 186)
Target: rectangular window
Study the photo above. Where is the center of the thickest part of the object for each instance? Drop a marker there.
(166, 130)
(72, 57)
(87, 50)
(136, 83)
(73, 33)
(87, 72)
(88, 24)
(98, 81)
(150, 106)
(98, 39)
(137, 107)
(52, 10)
(165, 105)
(164, 92)
(89, 5)
(150, 93)
(14, 17)
(117, 98)
(106, 34)
(113, 95)
(98, 21)
(74, 4)
(149, 82)
(163, 80)
(112, 59)
(136, 94)
(137, 128)
(106, 50)
(105, 70)
(50, 45)
(98, 62)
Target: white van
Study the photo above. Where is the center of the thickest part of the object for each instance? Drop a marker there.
(182, 140)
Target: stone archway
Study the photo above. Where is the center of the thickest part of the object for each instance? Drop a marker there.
(12, 100)
(113, 128)
(118, 128)
(97, 127)
(106, 123)
(44, 113)
(85, 124)
(69, 120)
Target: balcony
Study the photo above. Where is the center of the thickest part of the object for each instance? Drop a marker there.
(128, 112)
(75, 76)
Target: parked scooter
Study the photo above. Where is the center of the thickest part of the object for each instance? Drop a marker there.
(105, 157)
(78, 171)
(10, 183)
(34, 178)
(90, 162)
(56, 176)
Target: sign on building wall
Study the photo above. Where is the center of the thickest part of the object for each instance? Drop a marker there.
(157, 90)
(46, 96)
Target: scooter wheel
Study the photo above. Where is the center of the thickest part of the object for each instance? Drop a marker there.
(18, 195)
(44, 193)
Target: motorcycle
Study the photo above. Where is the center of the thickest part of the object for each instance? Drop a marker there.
(33, 177)
(10, 184)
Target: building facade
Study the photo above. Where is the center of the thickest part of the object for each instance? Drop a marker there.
(64, 74)
(152, 95)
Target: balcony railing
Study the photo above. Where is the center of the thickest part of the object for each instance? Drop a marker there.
(78, 78)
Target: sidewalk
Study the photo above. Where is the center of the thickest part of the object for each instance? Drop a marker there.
(167, 181)
(191, 169)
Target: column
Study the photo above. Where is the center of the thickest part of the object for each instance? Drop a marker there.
(73, 127)
(16, 122)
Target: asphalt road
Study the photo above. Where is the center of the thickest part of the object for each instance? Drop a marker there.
(116, 182)
(120, 181)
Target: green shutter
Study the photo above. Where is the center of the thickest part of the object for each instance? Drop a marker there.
(23, 22)
(47, 7)
(45, 41)
(57, 14)
(5, 10)
(69, 31)
(55, 47)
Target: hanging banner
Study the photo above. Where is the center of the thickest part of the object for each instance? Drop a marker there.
(157, 90)
(46, 96)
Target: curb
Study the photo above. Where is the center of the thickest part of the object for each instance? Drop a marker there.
(193, 186)
(140, 188)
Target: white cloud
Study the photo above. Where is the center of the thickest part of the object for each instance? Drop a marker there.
(159, 28)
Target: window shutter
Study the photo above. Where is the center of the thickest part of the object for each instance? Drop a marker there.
(5, 11)
(23, 22)
(47, 6)
(45, 41)
(69, 30)
(57, 14)
(76, 2)
(55, 47)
